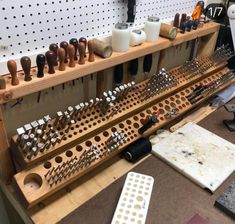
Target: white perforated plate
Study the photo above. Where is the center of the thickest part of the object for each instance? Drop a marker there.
(28, 28)
(134, 200)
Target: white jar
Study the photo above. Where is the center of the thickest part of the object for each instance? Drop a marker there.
(152, 28)
(121, 37)
(137, 37)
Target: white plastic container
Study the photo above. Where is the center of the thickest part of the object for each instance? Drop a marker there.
(137, 37)
(121, 37)
(152, 28)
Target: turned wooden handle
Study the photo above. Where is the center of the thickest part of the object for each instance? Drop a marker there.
(26, 65)
(54, 48)
(50, 56)
(41, 61)
(176, 22)
(12, 67)
(81, 49)
(2, 83)
(91, 47)
(74, 42)
(102, 48)
(83, 40)
(168, 31)
(64, 45)
(61, 56)
(71, 51)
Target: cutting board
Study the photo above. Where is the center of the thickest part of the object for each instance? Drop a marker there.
(202, 156)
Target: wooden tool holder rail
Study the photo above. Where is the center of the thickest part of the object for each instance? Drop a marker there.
(93, 121)
(32, 183)
(50, 80)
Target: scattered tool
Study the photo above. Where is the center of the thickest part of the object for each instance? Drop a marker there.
(151, 121)
(26, 65)
(41, 61)
(12, 67)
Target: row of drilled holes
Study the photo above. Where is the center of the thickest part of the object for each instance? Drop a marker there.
(128, 127)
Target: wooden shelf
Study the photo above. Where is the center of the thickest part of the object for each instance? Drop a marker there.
(37, 84)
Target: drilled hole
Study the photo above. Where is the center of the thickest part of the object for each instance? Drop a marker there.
(136, 125)
(172, 104)
(105, 134)
(69, 153)
(121, 125)
(79, 148)
(97, 138)
(58, 159)
(142, 114)
(160, 105)
(113, 129)
(155, 108)
(167, 102)
(161, 111)
(88, 143)
(75, 133)
(177, 101)
(128, 122)
(136, 118)
(183, 99)
(167, 108)
(47, 165)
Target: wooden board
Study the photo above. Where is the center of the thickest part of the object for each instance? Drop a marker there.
(91, 122)
(32, 182)
(200, 155)
(37, 84)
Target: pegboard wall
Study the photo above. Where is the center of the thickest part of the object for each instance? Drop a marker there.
(28, 28)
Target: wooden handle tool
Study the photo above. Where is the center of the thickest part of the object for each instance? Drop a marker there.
(41, 61)
(26, 65)
(64, 45)
(61, 55)
(83, 40)
(71, 51)
(81, 49)
(12, 67)
(74, 42)
(2, 83)
(176, 22)
(54, 48)
(183, 19)
(91, 47)
(50, 56)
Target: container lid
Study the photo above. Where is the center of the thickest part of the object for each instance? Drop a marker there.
(137, 31)
(153, 19)
(121, 26)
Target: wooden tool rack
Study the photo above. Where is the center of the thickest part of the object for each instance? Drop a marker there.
(92, 128)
